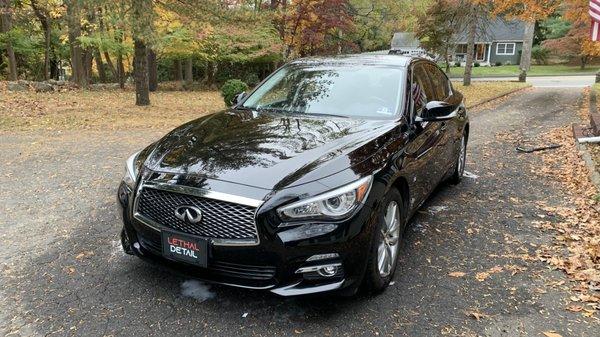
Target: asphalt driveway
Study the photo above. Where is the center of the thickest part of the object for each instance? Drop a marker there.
(562, 81)
(467, 267)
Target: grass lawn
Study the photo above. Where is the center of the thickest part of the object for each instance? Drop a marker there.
(115, 109)
(103, 110)
(513, 70)
(479, 92)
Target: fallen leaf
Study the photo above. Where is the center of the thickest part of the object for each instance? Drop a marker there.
(588, 312)
(457, 274)
(551, 334)
(482, 276)
(574, 308)
(477, 315)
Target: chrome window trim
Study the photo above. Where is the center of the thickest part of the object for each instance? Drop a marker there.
(204, 194)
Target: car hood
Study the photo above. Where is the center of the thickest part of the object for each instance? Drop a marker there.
(267, 150)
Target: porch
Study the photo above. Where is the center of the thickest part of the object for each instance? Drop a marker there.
(481, 54)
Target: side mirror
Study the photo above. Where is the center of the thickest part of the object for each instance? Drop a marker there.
(436, 111)
(239, 97)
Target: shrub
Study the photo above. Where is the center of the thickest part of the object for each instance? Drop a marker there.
(498, 64)
(540, 54)
(507, 63)
(476, 64)
(457, 64)
(231, 88)
(252, 79)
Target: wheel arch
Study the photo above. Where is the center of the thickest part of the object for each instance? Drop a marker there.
(401, 184)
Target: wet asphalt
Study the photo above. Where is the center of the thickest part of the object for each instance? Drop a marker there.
(63, 273)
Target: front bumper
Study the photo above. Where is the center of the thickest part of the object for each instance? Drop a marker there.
(281, 262)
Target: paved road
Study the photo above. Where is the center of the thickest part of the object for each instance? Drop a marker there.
(62, 271)
(550, 81)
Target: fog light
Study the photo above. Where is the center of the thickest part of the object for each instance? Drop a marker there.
(323, 270)
(328, 271)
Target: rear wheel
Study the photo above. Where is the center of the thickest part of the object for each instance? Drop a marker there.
(459, 167)
(386, 244)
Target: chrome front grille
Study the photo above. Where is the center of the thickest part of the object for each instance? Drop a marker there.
(223, 221)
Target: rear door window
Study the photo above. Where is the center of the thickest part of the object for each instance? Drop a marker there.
(439, 82)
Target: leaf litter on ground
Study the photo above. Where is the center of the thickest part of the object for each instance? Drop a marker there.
(575, 249)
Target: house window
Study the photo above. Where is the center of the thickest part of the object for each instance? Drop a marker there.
(461, 49)
(505, 49)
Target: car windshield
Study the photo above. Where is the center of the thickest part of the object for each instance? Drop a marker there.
(348, 91)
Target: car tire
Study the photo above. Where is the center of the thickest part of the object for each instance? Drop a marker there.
(379, 270)
(461, 160)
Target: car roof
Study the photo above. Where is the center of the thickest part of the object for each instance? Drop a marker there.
(359, 59)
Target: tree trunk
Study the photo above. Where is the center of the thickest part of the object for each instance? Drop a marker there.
(44, 19)
(74, 28)
(583, 62)
(100, 66)
(5, 27)
(178, 71)
(525, 63)
(470, 48)
(152, 70)
(211, 71)
(54, 69)
(120, 67)
(88, 58)
(111, 66)
(120, 71)
(189, 74)
(47, 50)
(447, 58)
(140, 70)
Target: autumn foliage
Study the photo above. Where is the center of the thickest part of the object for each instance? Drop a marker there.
(577, 42)
(316, 27)
(525, 10)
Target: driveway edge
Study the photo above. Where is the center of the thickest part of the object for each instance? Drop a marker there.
(589, 162)
(497, 97)
(583, 150)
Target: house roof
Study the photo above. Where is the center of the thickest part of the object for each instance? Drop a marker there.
(497, 29)
(405, 40)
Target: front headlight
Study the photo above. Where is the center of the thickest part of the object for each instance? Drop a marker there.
(131, 170)
(335, 204)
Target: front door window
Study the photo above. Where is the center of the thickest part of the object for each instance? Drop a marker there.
(480, 52)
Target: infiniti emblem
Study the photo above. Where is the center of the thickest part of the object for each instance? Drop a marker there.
(190, 214)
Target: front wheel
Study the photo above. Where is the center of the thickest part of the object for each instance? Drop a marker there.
(386, 244)
(459, 167)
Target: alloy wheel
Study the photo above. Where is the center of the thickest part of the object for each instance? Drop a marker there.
(387, 250)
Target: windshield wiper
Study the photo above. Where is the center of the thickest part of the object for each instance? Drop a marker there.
(292, 112)
(322, 114)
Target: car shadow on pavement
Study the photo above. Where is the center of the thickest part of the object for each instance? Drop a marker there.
(86, 283)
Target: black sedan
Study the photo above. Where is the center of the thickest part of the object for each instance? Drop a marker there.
(306, 184)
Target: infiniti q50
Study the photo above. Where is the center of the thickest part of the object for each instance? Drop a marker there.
(306, 183)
